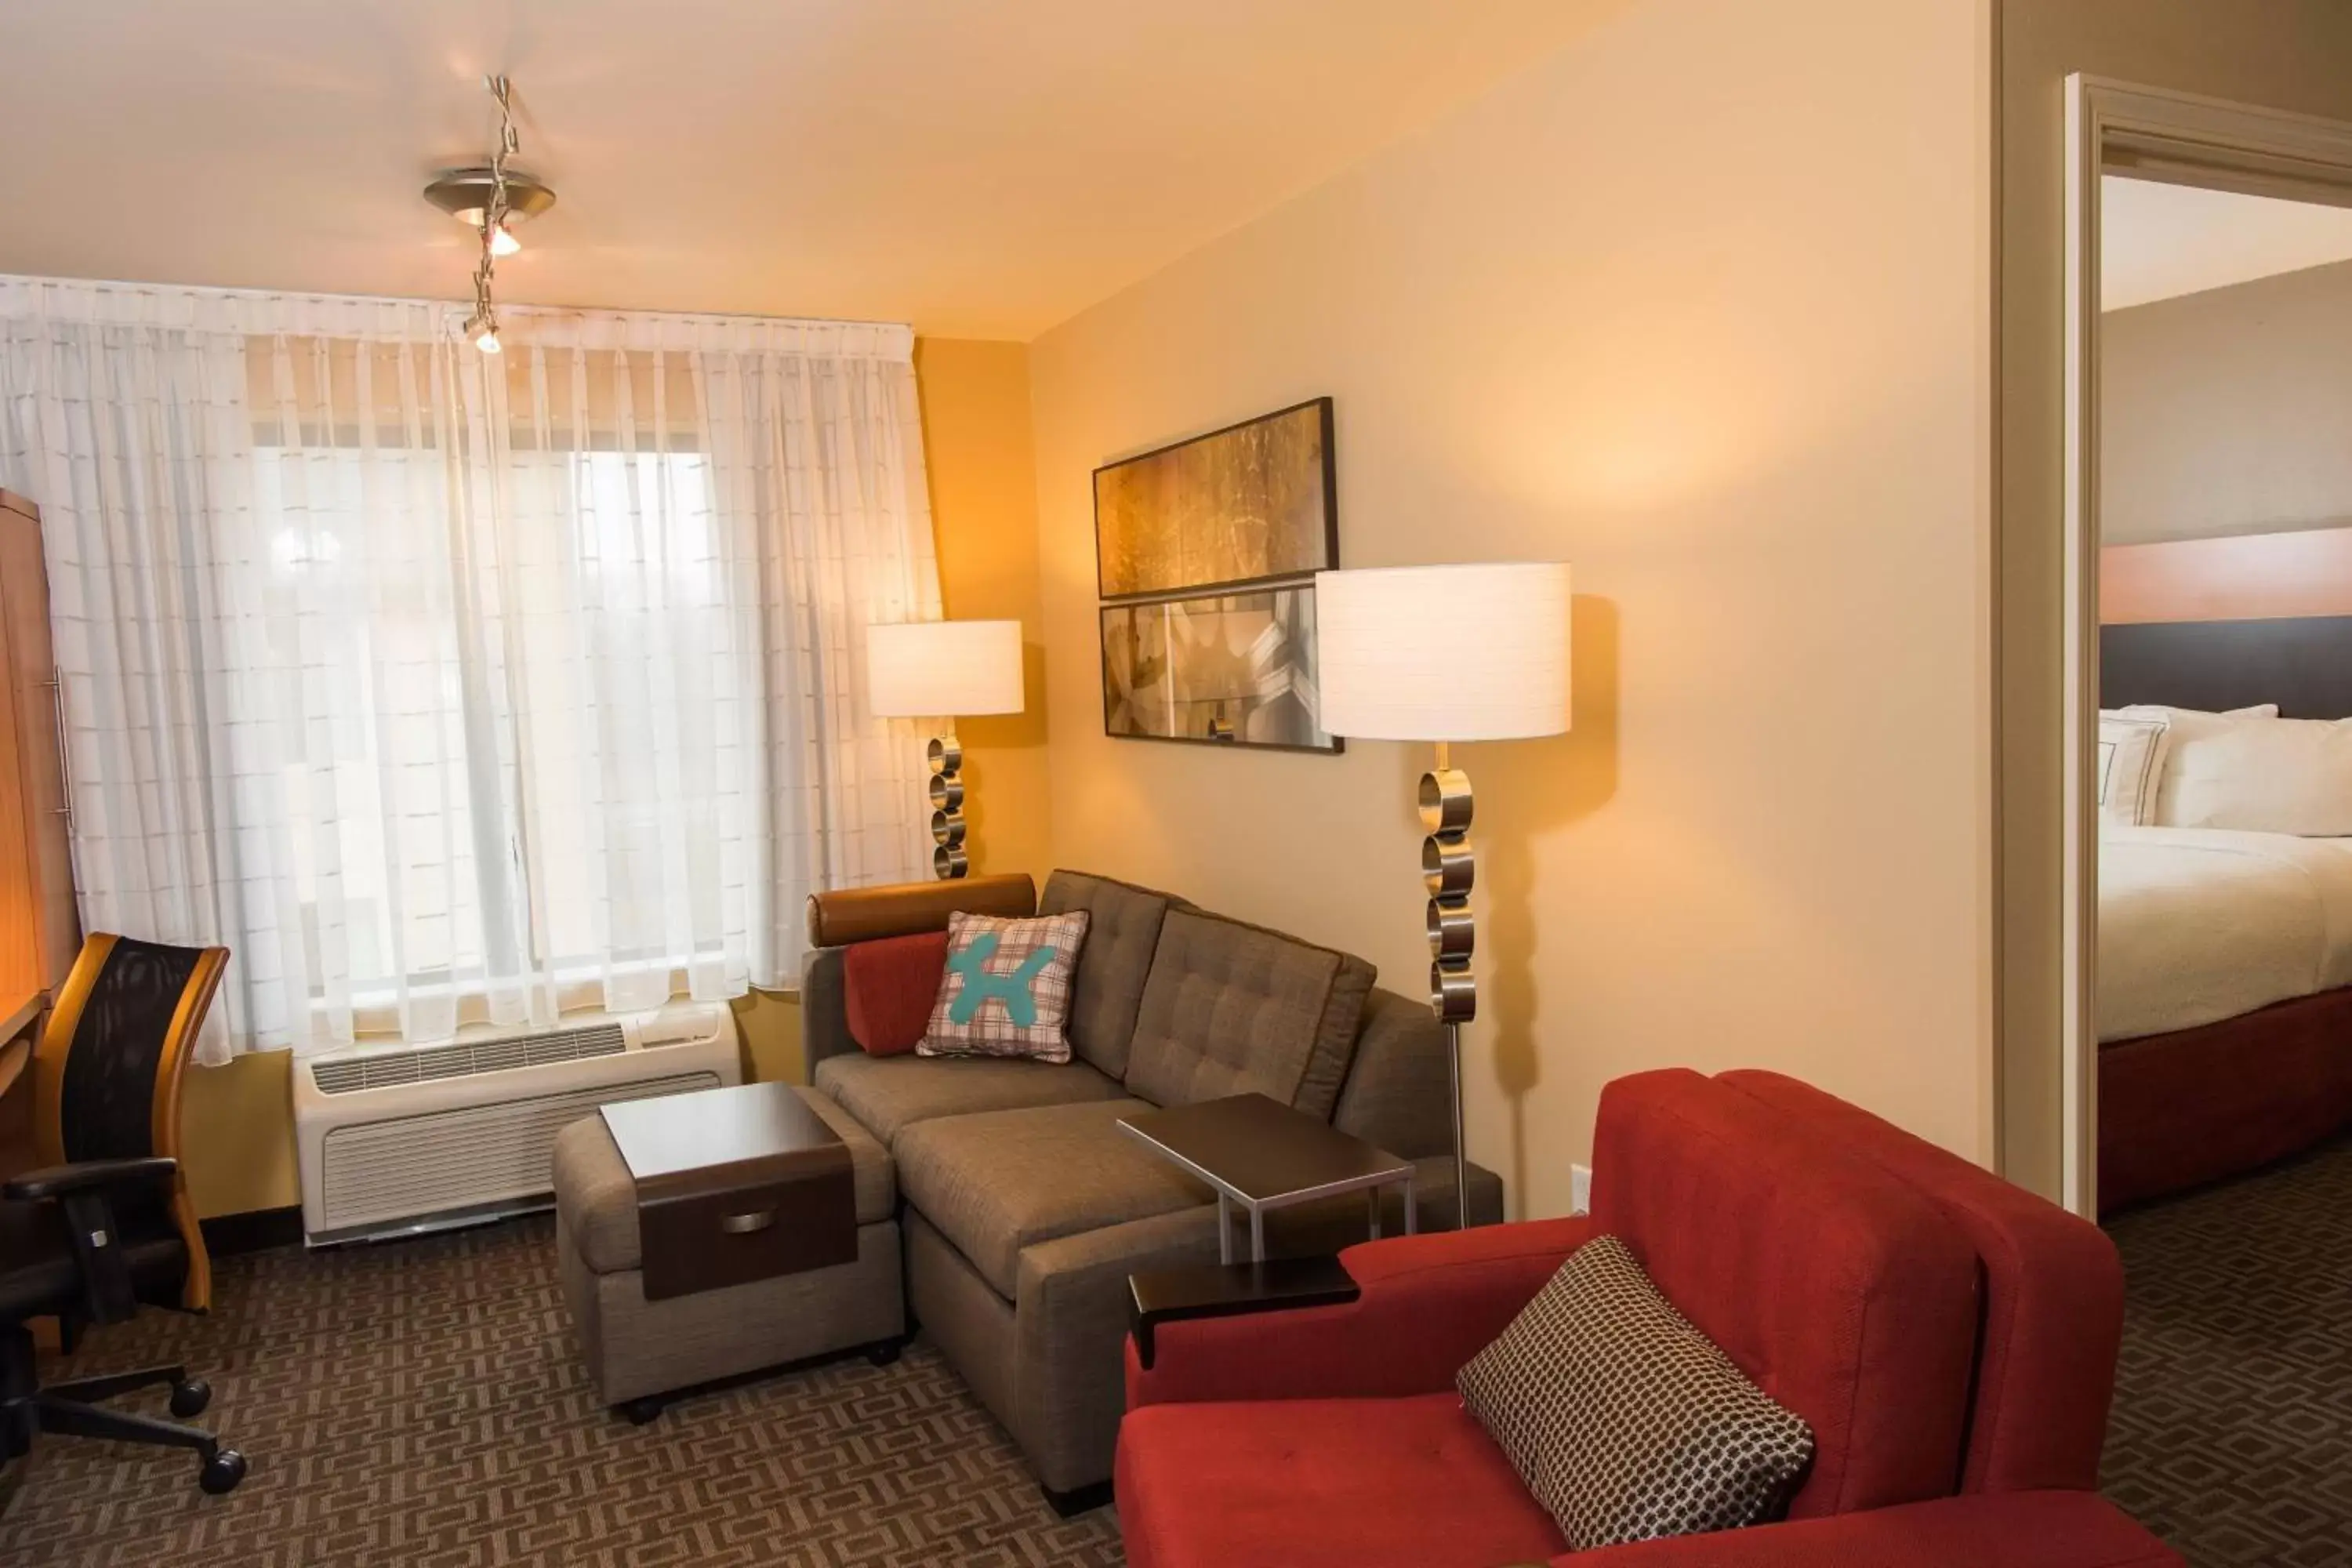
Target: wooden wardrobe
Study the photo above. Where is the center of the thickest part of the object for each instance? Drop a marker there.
(39, 930)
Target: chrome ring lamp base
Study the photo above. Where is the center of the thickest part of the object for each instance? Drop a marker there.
(1448, 868)
(948, 858)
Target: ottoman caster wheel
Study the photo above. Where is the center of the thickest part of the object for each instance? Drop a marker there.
(190, 1397)
(641, 1411)
(883, 1353)
(222, 1469)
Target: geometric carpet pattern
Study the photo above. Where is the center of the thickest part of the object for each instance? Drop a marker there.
(2231, 1436)
(420, 1403)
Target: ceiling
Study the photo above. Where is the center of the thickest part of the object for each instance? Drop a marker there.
(2159, 241)
(979, 167)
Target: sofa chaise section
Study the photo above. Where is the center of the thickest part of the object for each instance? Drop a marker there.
(1025, 1208)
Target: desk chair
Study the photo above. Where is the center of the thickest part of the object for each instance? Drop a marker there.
(105, 1225)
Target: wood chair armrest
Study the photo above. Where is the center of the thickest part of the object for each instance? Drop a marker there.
(1228, 1290)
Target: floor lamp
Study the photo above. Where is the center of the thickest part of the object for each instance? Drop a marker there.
(944, 669)
(1444, 654)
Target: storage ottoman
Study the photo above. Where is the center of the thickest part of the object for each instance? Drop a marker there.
(641, 1350)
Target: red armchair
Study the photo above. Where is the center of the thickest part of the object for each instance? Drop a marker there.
(1950, 1339)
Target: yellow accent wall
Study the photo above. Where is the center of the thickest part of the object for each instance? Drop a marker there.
(978, 444)
(238, 1120)
(237, 1134)
(1700, 303)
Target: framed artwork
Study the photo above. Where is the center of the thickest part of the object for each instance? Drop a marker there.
(1205, 553)
(1254, 502)
(1220, 669)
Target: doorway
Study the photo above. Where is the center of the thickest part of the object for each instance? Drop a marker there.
(2206, 1067)
(2167, 162)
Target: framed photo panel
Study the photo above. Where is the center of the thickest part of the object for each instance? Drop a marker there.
(1220, 669)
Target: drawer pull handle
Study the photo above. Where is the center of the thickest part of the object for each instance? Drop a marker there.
(748, 1224)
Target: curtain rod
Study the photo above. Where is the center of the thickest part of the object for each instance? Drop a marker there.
(262, 311)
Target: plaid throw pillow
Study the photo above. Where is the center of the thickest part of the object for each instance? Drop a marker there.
(1625, 1421)
(1006, 992)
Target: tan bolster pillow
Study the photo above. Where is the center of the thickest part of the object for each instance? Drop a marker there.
(843, 915)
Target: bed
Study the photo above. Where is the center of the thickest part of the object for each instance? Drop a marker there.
(2225, 957)
(2225, 1021)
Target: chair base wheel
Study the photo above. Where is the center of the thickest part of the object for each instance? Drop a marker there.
(189, 1399)
(221, 1471)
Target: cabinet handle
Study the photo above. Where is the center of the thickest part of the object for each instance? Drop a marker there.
(57, 685)
(748, 1224)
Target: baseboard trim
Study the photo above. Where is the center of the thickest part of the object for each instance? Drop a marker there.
(255, 1231)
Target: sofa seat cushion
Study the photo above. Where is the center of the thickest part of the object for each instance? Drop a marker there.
(1123, 930)
(995, 1183)
(889, 1094)
(597, 1197)
(1323, 1483)
(1235, 1009)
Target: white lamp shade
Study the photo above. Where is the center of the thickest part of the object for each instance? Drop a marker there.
(1444, 652)
(944, 669)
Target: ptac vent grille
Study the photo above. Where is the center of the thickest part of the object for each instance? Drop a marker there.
(382, 1069)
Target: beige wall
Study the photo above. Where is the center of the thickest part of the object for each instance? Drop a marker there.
(2286, 54)
(1700, 304)
(2227, 411)
(237, 1120)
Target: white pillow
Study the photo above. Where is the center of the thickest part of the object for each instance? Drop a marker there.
(2131, 758)
(2266, 775)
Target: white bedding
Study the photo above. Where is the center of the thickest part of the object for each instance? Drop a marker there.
(2197, 925)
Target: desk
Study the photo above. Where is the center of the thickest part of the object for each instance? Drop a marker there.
(17, 1039)
(18, 1026)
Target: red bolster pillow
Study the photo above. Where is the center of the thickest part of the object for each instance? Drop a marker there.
(889, 987)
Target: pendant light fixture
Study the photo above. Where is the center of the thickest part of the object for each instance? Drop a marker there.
(491, 199)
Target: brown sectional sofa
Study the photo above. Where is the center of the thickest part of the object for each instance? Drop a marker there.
(1025, 1209)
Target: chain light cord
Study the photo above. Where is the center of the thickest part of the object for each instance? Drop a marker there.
(485, 324)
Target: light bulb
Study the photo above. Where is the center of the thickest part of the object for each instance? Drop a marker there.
(487, 341)
(503, 242)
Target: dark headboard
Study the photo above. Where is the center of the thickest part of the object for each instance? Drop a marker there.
(2230, 622)
(2302, 664)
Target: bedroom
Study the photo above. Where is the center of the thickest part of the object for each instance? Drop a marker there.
(2223, 969)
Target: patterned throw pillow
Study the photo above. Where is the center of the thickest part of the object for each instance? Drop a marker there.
(1625, 1421)
(1006, 992)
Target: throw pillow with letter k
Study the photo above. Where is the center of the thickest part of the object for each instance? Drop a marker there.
(1006, 991)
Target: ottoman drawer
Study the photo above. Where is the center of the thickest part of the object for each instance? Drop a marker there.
(707, 1240)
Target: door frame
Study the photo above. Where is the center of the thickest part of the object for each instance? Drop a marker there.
(2182, 138)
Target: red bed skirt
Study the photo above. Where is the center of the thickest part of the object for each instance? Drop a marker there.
(2180, 1109)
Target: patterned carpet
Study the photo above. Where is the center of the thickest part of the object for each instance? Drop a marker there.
(420, 1404)
(2232, 1430)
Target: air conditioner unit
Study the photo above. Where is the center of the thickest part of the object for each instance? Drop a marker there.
(398, 1139)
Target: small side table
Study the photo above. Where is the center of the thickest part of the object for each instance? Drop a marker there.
(1263, 1155)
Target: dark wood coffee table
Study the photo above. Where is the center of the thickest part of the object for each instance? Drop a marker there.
(1260, 1153)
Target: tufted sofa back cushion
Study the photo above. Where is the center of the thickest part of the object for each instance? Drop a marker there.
(1230, 1008)
(1122, 933)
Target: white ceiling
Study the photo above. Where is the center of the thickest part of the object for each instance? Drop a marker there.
(979, 167)
(2158, 241)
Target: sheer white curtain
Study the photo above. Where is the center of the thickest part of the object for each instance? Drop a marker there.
(443, 686)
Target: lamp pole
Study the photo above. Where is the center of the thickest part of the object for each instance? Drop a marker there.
(1449, 866)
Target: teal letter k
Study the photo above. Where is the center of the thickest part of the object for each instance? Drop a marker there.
(980, 985)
